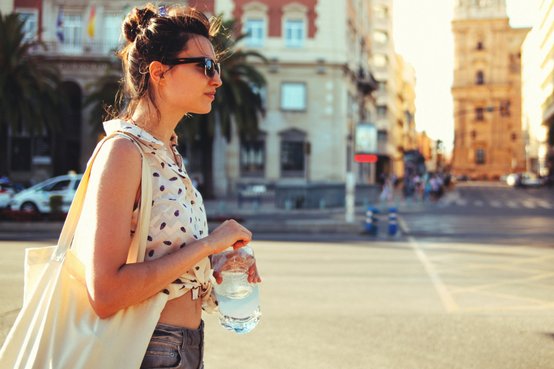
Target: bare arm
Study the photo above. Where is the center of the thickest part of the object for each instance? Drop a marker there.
(113, 284)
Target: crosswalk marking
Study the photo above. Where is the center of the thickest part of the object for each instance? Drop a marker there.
(455, 199)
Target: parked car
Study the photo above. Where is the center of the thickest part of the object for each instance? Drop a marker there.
(526, 179)
(36, 199)
(6, 193)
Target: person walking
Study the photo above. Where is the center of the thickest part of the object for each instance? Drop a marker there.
(170, 70)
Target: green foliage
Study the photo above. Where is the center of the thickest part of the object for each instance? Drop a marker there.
(103, 96)
(30, 97)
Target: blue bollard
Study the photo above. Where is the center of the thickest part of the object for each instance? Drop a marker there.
(393, 222)
(371, 226)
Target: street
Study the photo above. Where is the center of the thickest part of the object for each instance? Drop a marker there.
(484, 212)
(468, 286)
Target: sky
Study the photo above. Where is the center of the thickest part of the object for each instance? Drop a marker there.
(423, 36)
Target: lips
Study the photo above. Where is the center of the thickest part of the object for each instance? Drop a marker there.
(210, 95)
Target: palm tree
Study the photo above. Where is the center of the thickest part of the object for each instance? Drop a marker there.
(30, 98)
(238, 100)
(103, 96)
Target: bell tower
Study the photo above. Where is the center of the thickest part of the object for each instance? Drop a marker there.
(479, 9)
(488, 139)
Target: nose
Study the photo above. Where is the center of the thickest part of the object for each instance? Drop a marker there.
(216, 80)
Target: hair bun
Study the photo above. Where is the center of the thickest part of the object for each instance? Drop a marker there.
(136, 22)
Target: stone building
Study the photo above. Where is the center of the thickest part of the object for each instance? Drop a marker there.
(80, 38)
(332, 68)
(538, 92)
(488, 140)
(319, 85)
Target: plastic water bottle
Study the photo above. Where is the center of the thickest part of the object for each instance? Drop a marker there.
(238, 300)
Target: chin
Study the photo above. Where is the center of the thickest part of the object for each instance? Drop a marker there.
(204, 110)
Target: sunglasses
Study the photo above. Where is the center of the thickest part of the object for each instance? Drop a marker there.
(210, 66)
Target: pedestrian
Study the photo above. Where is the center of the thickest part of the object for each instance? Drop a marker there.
(170, 70)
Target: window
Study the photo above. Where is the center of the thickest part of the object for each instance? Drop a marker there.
(58, 186)
(382, 135)
(381, 11)
(479, 113)
(480, 45)
(30, 23)
(480, 78)
(293, 96)
(252, 157)
(480, 156)
(21, 154)
(381, 37)
(505, 108)
(112, 29)
(380, 60)
(293, 150)
(382, 111)
(73, 32)
(255, 29)
(513, 136)
(473, 135)
(294, 33)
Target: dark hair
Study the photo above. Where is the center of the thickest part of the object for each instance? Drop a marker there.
(156, 34)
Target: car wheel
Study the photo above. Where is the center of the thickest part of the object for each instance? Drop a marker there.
(29, 207)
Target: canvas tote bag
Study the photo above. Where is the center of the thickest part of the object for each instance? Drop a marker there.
(57, 327)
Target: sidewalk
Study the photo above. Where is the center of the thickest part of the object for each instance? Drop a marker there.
(261, 219)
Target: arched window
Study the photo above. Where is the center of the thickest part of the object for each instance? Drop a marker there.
(480, 78)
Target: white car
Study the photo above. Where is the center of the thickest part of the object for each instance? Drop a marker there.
(36, 199)
(525, 179)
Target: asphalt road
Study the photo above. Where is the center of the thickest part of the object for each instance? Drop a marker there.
(485, 213)
(404, 304)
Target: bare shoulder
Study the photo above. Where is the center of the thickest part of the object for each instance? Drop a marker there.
(118, 163)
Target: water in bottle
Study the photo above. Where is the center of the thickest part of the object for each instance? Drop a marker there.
(238, 300)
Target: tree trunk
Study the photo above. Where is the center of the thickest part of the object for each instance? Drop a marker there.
(206, 146)
(5, 153)
(219, 162)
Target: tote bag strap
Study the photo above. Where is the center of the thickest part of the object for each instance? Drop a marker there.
(138, 244)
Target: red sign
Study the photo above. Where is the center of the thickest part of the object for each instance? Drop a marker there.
(365, 158)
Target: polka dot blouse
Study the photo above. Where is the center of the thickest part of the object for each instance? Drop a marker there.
(178, 216)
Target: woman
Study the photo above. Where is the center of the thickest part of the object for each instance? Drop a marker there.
(170, 71)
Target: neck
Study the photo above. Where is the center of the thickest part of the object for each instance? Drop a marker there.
(160, 125)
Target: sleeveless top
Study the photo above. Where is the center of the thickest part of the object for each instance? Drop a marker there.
(178, 216)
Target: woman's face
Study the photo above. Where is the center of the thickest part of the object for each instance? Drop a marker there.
(186, 86)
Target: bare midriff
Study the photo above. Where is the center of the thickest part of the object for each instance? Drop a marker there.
(183, 312)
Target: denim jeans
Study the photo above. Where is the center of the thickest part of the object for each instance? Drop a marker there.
(175, 348)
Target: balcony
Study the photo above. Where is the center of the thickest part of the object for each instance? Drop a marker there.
(366, 82)
(87, 49)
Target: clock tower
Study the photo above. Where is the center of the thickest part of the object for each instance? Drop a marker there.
(488, 137)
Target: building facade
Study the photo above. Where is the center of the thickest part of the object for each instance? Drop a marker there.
(488, 140)
(323, 59)
(538, 92)
(80, 38)
(319, 84)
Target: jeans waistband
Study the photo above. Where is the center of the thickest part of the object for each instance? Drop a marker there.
(180, 335)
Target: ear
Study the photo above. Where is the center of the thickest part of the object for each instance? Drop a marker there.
(156, 70)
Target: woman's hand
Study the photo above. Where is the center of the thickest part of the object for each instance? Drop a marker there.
(253, 276)
(227, 234)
